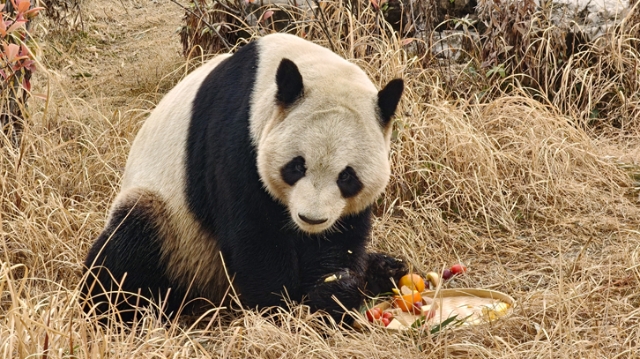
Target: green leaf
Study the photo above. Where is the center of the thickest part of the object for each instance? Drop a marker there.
(418, 322)
(451, 320)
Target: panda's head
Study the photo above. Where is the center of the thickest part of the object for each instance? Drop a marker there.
(324, 153)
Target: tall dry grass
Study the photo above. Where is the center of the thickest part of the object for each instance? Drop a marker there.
(537, 203)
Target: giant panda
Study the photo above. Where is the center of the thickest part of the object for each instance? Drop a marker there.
(258, 170)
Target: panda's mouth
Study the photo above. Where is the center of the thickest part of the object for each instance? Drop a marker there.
(312, 224)
(314, 209)
(310, 220)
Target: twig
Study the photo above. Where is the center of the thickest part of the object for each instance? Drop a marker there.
(124, 7)
(323, 24)
(224, 41)
(226, 7)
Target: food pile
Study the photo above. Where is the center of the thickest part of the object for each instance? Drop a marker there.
(413, 307)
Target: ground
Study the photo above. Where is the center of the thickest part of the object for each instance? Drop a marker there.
(535, 205)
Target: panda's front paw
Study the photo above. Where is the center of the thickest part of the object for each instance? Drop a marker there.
(381, 269)
(335, 292)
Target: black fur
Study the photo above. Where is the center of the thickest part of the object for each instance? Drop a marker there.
(130, 244)
(289, 82)
(380, 268)
(220, 109)
(349, 183)
(388, 99)
(293, 171)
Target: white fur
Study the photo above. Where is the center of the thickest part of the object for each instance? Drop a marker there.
(156, 163)
(334, 126)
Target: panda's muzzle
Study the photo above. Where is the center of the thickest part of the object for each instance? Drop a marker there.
(311, 220)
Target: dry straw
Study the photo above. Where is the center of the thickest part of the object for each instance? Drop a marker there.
(537, 203)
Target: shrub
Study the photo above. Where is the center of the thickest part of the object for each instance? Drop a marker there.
(16, 65)
(593, 82)
(218, 25)
(64, 13)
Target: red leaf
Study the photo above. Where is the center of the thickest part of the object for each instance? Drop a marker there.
(407, 41)
(16, 24)
(23, 5)
(375, 4)
(26, 84)
(33, 12)
(267, 14)
(24, 50)
(11, 51)
(29, 65)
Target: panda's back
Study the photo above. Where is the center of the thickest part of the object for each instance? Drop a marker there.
(156, 159)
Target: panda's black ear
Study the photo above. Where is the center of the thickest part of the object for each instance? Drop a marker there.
(289, 83)
(388, 99)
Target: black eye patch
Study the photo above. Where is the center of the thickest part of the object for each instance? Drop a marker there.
(293, 171)
(349, 183)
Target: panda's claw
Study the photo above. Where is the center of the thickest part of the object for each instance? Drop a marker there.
(381, 269)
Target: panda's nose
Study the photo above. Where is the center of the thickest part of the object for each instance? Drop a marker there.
(311, 220)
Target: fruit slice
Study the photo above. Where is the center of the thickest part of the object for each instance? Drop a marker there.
(406, 301)
(412, 281)
(495, 311)
(396, 325)
(429, 311)
(434, 279)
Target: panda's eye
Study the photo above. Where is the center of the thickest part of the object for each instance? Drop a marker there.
(293, 171)
(349, 183)
(344, 176)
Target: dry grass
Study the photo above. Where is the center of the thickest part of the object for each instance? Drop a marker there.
(536, 204)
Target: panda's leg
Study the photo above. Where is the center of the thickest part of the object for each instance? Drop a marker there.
(126, 258)
(332, 273)
(381, 268)
(262, 269)
(335, 294)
